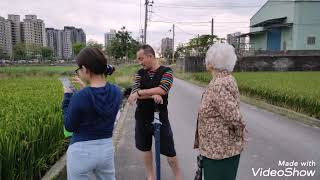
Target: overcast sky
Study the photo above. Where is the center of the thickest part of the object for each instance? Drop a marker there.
(96, 17)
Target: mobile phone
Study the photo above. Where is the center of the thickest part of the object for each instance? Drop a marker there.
(67, 84)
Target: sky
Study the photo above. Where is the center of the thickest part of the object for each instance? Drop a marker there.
(96, 17)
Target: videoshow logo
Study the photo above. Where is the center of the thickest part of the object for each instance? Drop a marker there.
(291, 169)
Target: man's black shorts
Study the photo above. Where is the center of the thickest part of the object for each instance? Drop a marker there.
(144, 132)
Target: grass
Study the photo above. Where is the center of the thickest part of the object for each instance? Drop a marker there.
(298, 91)
(31, 123)
(31, 137)
(36, 70)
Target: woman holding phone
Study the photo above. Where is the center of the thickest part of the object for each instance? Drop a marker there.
(90, 114)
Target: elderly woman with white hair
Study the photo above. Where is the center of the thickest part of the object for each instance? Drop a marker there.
(220, 127)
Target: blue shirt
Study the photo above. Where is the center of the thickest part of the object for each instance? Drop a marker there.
(91, 112)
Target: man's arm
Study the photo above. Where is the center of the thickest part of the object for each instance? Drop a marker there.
(163, 88)
(151, 92)
(136, 87)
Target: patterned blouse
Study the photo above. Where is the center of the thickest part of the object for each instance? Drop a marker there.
(220, 128)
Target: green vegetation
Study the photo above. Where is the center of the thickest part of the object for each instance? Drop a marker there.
(299, 91)
(31, 122)
(94, 44)
(31, 135)
(123, 45)
(76, 48)
(36, 70)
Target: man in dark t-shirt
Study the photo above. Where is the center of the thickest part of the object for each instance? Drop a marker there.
(152, 85)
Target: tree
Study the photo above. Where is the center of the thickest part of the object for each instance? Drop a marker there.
(46, 52)
(76, 48)
(33, 51)
(92, 43)
(19, 51)
(198, 44)
(123, 45)
(133, 48)
(180, 51)
(202, 43)
(3, 55)
(168, 53)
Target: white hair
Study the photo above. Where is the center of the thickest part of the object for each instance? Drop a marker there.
(221, 56)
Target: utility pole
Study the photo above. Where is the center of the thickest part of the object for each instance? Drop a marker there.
(173, 43)
(212, 30)
(141, 36)
(145, 22)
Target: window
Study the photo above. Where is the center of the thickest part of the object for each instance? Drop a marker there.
(311, 40)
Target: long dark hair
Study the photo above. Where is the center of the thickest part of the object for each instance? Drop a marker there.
(94, 60)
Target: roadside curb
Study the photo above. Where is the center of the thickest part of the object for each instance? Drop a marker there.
(117, 133)
(59, 170)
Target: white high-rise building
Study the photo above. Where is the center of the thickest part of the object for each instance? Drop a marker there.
(5, 37)
(2, 34)
(81, 36)
(67, 44)
(60, 44)
(34, 31)
(15, 28)
(62, 41)
(108, 37)
(55, 41)
(51, 39)
(71, 36)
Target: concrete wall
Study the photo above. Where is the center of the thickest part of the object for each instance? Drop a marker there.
(191, 64)
(293, 61)
(278, 63)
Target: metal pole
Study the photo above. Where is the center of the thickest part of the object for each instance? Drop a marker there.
(145, 22)
(157, 125)
(173, 43)
(212, 32)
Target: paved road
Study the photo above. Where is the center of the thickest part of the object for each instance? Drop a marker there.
(271, 138)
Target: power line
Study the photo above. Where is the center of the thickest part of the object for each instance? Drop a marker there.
(200, 8)
(205, 6)
(226, 4)
(184, 31)
(169, 20)
(188, 23)
(182, 22)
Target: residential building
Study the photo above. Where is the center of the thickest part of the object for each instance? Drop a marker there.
(72, 35)
(15, 28)
(5, 37)
(59, 52)
(108, 37)
(166, 44)
(34, 31)
(67, 43)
